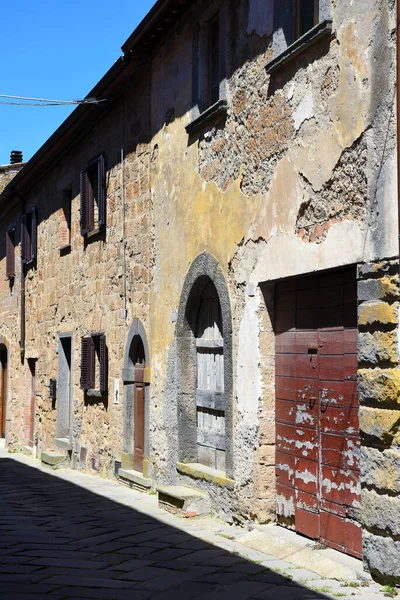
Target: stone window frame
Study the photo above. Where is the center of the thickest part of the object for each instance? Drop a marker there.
(202, 111)
(65, 231)
(285, 43)
(203, 266)
(59, 440)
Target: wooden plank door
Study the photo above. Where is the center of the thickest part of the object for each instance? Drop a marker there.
(139, 419)
(210, 399)
(317, 433)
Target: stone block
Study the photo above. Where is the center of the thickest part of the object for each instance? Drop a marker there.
(183, 501)
(379, 385)
(377, 347)
(380, 469)
(137, 479)
(52, 459)
(381, 312)
(380, 423)
(380, 512)
(370, 290)
(127, 461)
(381, 268)
(263, 511)
(382, 555)
(266, 454)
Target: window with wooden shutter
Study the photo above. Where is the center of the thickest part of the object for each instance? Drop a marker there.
(29, 236)
(103, 363)
(214, 60)
(307, 16)
(10, 253)
(65, 220)
(94, 363)
(93, 196)
(87, 363)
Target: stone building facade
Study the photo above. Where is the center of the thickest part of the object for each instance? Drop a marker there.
(206, 292)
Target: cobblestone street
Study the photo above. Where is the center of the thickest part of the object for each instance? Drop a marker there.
(69, 535)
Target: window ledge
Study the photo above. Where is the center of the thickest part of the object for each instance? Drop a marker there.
(308, 39)
(215, 110)
(64, 249)
(95, 393)
(197, 471)
(94, 233)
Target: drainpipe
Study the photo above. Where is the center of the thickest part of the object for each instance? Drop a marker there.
(22, 301)
(125, 311)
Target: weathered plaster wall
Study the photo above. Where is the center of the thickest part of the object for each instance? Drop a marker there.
(299, 177)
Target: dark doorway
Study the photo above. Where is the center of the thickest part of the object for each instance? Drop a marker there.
(3, 390)
(30, 403)
(317, 430)
(64, 388)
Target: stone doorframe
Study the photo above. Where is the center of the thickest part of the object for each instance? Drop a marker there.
(136, 335)
(204, 268)
(4, 342)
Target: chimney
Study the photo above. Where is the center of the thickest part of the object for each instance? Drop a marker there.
(15, 157)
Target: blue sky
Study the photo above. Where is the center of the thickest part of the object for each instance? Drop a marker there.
(52, 49)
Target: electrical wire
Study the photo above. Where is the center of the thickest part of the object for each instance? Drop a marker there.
(45, 101)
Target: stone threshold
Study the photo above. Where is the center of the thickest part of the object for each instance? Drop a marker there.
(197, 471)
(183, 501)
(141, 483)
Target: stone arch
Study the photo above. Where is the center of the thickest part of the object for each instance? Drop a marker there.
(136, 352)
(204, 269)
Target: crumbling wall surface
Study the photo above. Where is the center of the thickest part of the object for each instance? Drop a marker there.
(379, 384)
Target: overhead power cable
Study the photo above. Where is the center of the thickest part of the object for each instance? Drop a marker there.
(28, 101)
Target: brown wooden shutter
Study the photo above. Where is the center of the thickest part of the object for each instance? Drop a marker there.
(84, 202)
(24, 235)
(101, 190)
(10, 253)
(87, 363)
(103, 364)
(33, 233)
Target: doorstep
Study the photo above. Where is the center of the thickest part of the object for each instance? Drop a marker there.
(135, 479)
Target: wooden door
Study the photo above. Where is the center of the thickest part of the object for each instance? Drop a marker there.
(317, 431)
(139, 418)
(210, 400)
(3, 391)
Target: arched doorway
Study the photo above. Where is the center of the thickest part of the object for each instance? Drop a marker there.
(204, 351)
(3, 389)
(136, 399)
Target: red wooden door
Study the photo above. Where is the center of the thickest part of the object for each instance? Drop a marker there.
(317, 431)
(139, 412)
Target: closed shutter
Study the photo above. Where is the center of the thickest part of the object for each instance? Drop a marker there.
(84, 203)
(10, 253)
(87, 364)
(25, 240)
(103, 364)
(33, 236)
(101, 190)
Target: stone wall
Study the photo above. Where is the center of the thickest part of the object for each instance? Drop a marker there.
(379, 394)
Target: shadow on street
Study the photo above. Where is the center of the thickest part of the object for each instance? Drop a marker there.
(62, 541)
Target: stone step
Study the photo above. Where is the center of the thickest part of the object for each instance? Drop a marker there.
(183, 501)
(52, 459)
(135, 479)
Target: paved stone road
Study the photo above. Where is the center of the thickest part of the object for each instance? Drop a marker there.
(67, 535)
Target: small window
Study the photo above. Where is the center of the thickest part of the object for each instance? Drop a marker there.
(214, 59)
(65, 220)
(307, 16)
(93, 205)
(10, 253)
(94, 363)
(29, 236)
